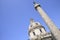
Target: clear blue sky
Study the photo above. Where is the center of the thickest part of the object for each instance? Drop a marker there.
(15, 17)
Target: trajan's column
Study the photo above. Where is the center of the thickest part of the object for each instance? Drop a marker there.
(54, 30)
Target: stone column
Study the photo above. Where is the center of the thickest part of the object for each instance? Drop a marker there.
(55, 31)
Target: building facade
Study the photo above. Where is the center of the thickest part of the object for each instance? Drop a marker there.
(38, 32)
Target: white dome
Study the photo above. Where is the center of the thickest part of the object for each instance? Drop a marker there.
(34, 25)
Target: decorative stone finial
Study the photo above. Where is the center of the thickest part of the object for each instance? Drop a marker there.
(34, 2)
(31, 20)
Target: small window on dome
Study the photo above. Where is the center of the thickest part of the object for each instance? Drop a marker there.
(36, 23)
(40, 30)
(31, 25)
(34, 33)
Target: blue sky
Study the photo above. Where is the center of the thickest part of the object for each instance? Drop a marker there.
(15, 17)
